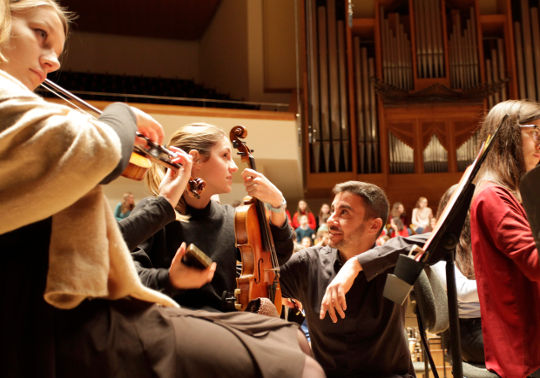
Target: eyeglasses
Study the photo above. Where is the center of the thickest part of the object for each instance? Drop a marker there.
(535, 131)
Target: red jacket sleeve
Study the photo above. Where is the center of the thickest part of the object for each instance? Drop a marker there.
(511, 232)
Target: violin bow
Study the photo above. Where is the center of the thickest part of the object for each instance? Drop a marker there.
(155, 152)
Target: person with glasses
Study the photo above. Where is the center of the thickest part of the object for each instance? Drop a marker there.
(506, 259)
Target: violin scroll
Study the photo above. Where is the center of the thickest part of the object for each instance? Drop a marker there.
(236, 135)
(196, 186)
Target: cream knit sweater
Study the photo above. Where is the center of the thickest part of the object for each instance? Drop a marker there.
(51, 161)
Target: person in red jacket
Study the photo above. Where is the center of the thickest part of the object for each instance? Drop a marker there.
(506, 259)
(303, 209)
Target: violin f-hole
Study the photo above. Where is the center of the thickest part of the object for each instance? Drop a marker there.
(260, 271)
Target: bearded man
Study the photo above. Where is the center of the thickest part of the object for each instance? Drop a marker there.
(347, 278)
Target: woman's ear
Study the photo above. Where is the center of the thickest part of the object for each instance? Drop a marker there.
(196, 156)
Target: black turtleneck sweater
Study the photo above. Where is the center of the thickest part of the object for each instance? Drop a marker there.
(212, 230)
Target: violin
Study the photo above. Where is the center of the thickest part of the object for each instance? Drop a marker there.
(260, 266)
(141, 158)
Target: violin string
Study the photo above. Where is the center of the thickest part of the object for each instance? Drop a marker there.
(273, 253)
(236, 133)
(267, 235)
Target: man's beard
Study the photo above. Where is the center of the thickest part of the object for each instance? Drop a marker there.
(344, 242)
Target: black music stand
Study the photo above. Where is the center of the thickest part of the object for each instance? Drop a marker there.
(530, 192)
(441, 246)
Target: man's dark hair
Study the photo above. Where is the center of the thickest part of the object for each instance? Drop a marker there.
(374, 197)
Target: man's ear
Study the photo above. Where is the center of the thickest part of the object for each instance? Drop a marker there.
(375, 225)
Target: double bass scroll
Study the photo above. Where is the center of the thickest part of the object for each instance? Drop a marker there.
(260, 266)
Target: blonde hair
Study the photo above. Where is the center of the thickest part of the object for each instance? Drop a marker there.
(463, 257)
(125, 205)
(13, 7)
(199, 136)
(21, 6)
(5, 25)
(420, 199)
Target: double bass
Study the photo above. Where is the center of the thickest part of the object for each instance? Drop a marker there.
(260, 266)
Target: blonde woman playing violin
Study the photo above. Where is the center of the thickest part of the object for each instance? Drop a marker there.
(206, 222)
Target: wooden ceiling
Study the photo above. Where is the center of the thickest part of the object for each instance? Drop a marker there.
(175, 19)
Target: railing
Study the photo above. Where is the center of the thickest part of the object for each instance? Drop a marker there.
(156, 90)
(184, 101)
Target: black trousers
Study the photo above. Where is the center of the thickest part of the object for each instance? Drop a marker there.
(472, 342)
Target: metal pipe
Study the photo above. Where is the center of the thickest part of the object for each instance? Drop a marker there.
(536, 42)
(359, 103)
(333, 82)
(527, 49)
(489, 80)
(323, 72)
(495, 74)
(344, 118)
(373, 116)
(522, 87)
(475, 76)
(502, 67)
(313, 82)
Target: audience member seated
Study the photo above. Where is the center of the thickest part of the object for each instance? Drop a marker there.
(421, 216)
(324, 214)
(304, 230)
(398, 210)
(303, 209)
(322, 237)
(306, 242)
(398, 228)
(123, 208)
(470, 325)
(383, 238)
